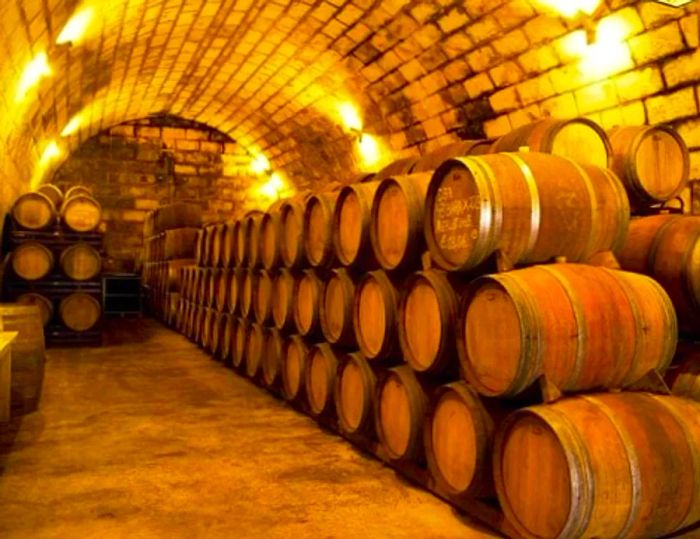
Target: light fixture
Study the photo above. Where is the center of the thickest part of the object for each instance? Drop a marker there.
(72, 126)
(76, 26)
(674, 3)
(36, 69)
(350, 116)
(272, 188)
(370, 153)
(570, 8)
(260, 164)
(51, 152)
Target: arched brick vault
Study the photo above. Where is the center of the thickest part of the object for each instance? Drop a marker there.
(271, 73)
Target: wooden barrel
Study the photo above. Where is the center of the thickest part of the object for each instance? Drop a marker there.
(578, 139)
(351, 226)
(235, 283)
(375, 312)
(53, 192)
(432, 160)
(32, 261)
(400, 413)
(321, 369)
(27, 355)
(240, 251)
(207, 340)
(318, 230)
(217, 334)
(211, 290)
(272, 358)
(80, 262)
(217, 245)
(262, 298)
(531, 207)
(252, 224)
(227, 337)
(283, 296)
(206, 248)
(307, 297)
(240, 339)
(177, 215)
(255, 348)
(638, 449)
(667, 248)
(78, 190)
(294, 354)
(652, 162)
(34, 211)
(171, 273)
(396, 229)
(44, 304)
(222, 289)
(458, 437)
(397, 168)
(200, 246)
(292, 234)
(247, 292)
(81, 213)
(354, 395)
(229, 245)
(79, 311)
(336, 308)
(428, 310)
(684, 379)
(270, 240)
(179, 243)
(583, 327)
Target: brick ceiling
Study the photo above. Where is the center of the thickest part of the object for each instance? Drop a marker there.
(272, 73)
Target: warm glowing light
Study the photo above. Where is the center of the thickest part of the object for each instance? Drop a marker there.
(608, 54)
(51, 152)
(260, 164)
(37, 69)
(76, 26)
(370, 152)
(350, 116)
(272, 188)
(570, 8)
(72, 126)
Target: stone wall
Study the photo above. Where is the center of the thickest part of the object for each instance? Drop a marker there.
(134, 167)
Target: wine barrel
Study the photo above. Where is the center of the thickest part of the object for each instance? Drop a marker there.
(397, 168)
(206, 249)
(171, 273)
(34, 211)
(27, 355)
(667, 248)
(217, 245)
(217, 333)
(432, 160)
(583, 327)
(375, 315)
(318, 230)
(400, 413)
(531, 207)
(177, 215)
(292, 234)
(240, 340)
(336, 306)
(458, 437)
(179, 243)
(255, 348)
(272, 358)
(235, 283)
(206, 333)
(396, 229)
(351, 226)
(321, 369)
(635, 448)
(652, 162)
(578, 139)
(227, 337)
(80, 262)
(53, 192)
(270, 234)
(247, 293)
(252, 224)
(307, 297)
(81, 213)
(354, 395)
(222, 288)
(283, 297)
(32, 261)
(43, 303)
(262, 298)
(684, 380)
(79, 311)
(229, 245)
(428, 311)
(78, 190)
(240, 251)
(200, 246)
(294, 354)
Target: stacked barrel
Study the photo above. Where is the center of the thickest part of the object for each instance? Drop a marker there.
(463, 310)
(170, 241)
(55, 261)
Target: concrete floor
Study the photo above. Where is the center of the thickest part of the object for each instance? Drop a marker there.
(147, 437)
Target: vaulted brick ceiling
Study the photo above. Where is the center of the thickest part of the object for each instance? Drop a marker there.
(271, 73)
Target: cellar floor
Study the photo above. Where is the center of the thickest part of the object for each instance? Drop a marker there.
(147, 437)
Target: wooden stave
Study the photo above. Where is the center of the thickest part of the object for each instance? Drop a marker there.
(66, 208)
(92, 300)
(65, 253)
(326, 202)
(365, 425)
(289, 393)
(45, 200)
(364, 259)
(346, 337)
(330, 368)
(33, 245)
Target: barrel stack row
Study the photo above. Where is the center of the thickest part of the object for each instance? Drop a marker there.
(55, 260)
(170, 239)
(445, 306)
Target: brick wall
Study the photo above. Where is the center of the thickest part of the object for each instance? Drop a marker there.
(128, 171)
(271, 74)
